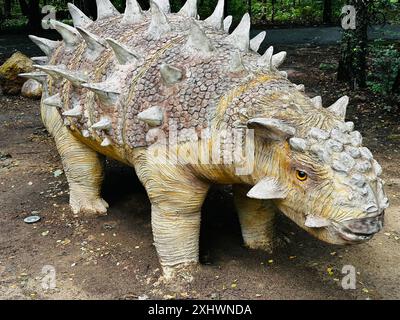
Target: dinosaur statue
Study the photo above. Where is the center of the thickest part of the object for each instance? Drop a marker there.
(189, 105)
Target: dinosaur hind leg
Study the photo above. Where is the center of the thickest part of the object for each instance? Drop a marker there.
(83, 167)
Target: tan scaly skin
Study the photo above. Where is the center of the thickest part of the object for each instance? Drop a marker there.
(307, 163)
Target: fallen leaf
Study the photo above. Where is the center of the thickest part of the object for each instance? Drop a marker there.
(57, 173)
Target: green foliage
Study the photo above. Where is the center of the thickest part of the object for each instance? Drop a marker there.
(385, 66)
(304, 12)
(328, 66)
(14, 24)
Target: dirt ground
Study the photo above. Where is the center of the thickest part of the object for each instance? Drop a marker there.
(113, 257)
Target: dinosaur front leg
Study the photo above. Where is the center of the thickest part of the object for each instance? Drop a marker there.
(83, 167)
(256, 219)
(176, 200)
(176, 238)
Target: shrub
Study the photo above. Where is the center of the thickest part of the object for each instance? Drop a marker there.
(385, 66)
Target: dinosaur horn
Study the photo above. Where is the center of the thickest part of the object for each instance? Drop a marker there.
(159, 24)
(283, 74)
(69, 34)
(106, 142)
(266, 59)
(105, 9)
(163, 5)
(38, 76)
(103, 124)
(317, 101)
(298, 144)
(53, 101)
(216, 20)
(75, 112)
(240, 36)
(78, 17)
(339, 107)
(153, 116)
(316, 222)
(170, 74)
(236, 63)
(133, 12)
(46, 45)
(189, 9)
(40, 60)
(227, 23)
(257, 40)
(197, 40)
(50, 70)
(93, 42)
(277, 59)
(104, 91)
(123, 54)
(270, 128)
(74, 77)
(267, 188)
(85, 133)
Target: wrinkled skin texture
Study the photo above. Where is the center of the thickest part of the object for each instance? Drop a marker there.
(205, 91)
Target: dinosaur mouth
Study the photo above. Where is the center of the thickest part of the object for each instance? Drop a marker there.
(359, 230)
(350, 236)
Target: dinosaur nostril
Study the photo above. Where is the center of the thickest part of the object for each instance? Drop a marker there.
(371, 208)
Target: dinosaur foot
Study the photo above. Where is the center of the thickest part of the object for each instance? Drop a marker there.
(91, 207)
(179, 277)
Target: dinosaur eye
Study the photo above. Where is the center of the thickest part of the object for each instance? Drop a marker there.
(301, 175)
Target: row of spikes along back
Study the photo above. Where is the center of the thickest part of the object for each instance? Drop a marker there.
(159, 25)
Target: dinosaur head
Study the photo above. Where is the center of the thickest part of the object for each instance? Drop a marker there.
(323, 180)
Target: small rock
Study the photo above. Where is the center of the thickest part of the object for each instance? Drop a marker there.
(32, 219)
(10, 82)
(109, 225)
(57, 173)
(31, 89)
(214, 296)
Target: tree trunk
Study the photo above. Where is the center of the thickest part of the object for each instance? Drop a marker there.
(273, 2)
(7, 8)
(396, 84)
(354, 49)
(249, 7)
(32, 11)
(90, 8)
(327, 12)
